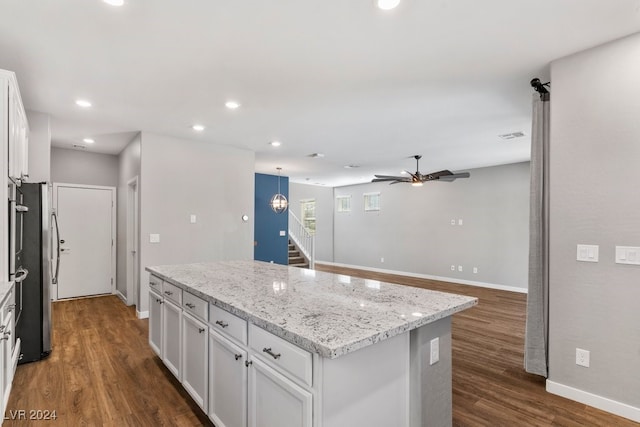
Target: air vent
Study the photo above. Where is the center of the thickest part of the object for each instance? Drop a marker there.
(512, 135)
(79, 147)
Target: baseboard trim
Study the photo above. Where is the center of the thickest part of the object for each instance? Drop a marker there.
(122, 297)
(608, 405)
(430, 277)
(142, 314)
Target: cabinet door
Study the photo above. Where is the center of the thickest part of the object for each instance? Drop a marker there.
(227, 382)
(194, 359)
(275, 401)
(12, 160)
(172, 337)
(155, 322)
(18, 137)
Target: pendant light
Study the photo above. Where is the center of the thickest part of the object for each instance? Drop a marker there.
(279, 202)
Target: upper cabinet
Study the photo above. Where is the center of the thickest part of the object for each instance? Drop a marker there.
(18, 129)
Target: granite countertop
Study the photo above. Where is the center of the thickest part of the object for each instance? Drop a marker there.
(325, 313)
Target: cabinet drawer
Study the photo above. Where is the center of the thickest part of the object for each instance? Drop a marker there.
(282, 354)
(155, 283)
(228, 323)
(172, 292)
(195, 305)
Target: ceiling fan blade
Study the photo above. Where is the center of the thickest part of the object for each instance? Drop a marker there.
(389, 176)
(386, 179)
(453, 177)
(398, 181)
(436, 175)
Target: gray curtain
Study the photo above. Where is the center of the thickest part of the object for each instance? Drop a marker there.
(537, 326)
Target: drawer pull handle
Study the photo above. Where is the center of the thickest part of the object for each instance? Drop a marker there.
(168, 292)
(247, 363)
(221, 323)
(190, 305)
(238, 356)
(200, 330)
(271, 353)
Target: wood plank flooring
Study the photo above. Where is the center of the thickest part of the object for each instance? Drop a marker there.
(102, 371)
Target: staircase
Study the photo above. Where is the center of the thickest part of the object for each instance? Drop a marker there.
(296, 259)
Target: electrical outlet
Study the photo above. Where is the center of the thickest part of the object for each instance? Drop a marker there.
(475, 270)
(582, 357)
(459, 268)
(460, 221)
(434, 356)
(453, 267)
(453, 222)
(192, 218)
(381, 259)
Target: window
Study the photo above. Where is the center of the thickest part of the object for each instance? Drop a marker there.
(343, 203)
(309, 215)
(371, 202)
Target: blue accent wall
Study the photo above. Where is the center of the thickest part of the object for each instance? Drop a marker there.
(269, 245)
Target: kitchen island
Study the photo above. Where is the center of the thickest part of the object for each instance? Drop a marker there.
(298, 347)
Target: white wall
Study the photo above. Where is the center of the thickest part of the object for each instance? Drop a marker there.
(413, 231)
(595, 159)
(128, 168)
(324, 215)
(39, 147)
(81, 167)
(182, 177)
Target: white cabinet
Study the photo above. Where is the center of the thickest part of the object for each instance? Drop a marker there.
(18, 134)
(194, 358)
(155, 322)
(7, 365)
(172, 337)
(275, 401)
(227, 382)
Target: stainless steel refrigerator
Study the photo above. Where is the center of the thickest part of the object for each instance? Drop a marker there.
(40, 257)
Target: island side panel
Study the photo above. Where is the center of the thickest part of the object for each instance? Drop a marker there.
(369, 387)
(431, 401)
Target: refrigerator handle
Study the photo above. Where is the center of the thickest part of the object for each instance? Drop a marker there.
(54, 280)
(21, 274)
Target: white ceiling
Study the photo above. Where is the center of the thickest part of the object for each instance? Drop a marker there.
(441, 78)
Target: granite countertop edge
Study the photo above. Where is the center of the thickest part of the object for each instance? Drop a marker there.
(305, 343)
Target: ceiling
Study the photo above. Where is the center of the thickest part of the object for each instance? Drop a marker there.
(364, 87)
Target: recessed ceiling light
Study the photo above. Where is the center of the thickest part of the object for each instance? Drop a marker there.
(197, 128)
(275, 143)
(114, 2)
(232, 105)
(83, 103)
(88, 140)
(388, 4)
(316, 155)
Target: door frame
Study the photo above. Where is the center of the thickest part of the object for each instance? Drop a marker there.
(132, 257)
(56, 185)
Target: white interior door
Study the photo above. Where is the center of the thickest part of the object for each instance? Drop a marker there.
(86, 218)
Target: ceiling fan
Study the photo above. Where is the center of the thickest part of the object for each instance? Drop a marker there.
(416, 179)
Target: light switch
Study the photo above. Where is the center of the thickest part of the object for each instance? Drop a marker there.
(192, 219)
(283, 233)
(587, 253)
(628, 255)
(154, 238)
(460, 221)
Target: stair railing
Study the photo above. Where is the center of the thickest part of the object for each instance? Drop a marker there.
(304, 240)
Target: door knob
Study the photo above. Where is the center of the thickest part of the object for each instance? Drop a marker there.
(61, 241)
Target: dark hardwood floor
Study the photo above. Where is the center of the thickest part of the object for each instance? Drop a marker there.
(102, 371)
